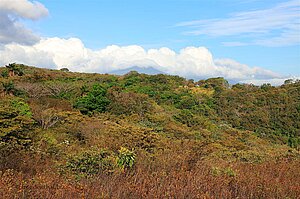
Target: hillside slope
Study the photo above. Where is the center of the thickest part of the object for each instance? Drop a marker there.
(145, 136)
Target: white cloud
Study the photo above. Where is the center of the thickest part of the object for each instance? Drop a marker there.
(234, 70)
(274, 82)
(24, 8)
(195, 62)
(11, 30)
(276, 26)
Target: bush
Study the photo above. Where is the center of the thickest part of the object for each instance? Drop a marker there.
(4, 73)
(185, 116)
(95, 100)
(15, 119)
(126, 158)
(91, 162)
(129, 103)
(15, 69)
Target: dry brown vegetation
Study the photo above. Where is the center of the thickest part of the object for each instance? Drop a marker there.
(272, 179)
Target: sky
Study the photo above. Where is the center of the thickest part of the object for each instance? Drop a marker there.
(250, 41)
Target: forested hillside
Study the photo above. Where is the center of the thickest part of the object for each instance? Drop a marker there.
(77, 135)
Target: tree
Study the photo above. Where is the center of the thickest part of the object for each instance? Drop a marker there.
(64, 69)
(288, 81)
(15, 69)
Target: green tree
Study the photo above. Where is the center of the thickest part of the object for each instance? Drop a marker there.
(15, 69)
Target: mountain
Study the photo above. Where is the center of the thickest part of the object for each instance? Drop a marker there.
(148, 70)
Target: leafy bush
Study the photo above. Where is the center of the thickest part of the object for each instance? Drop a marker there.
(15, 119)
(15, 69)
(8, 87)
(22, 107)
(126, 158)
(128, 103)
(4, 73)
(95, 100)
(185, 116)
(91, 162)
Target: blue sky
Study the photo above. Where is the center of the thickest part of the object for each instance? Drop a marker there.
(255, 33)
(152, 24)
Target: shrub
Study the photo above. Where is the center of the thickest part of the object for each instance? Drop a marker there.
(185, 116)
(22, 107)
(8, 87)
(91, 162)
(95, 100)
(15, 119)
(15, 69)
(4, 73)
(129, 103)
(126, 158)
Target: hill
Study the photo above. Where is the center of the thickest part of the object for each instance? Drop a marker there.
(79, 135)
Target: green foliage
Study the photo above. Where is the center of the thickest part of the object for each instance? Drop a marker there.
(187, 102)
(95, 100)
(294, 142)
(186, 117)
(15, 69)
(22, 107)
(91, 162)
(15, 119)
(219, 84)
(4, 73)
(131, 78)
(64, 69)
(126, 158)
(8, 87)
(271, 112)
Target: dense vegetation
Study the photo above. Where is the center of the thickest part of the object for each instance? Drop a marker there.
(77, 135)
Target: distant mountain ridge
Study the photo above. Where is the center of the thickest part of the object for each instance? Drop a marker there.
(148, 70)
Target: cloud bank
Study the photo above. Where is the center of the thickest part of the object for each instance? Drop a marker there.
(11, 11)
(276, 26)
(190, 62)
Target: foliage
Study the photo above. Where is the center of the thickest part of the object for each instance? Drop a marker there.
(128, 103)
(89, 163)
(5, 73)
(64, 69)
(191, 139)
(15, 69)
(8, 87)
(126, 158)
(15, 119)
(95, 100)
(268, 111)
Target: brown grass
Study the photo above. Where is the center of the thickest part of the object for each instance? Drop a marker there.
(272, 179)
